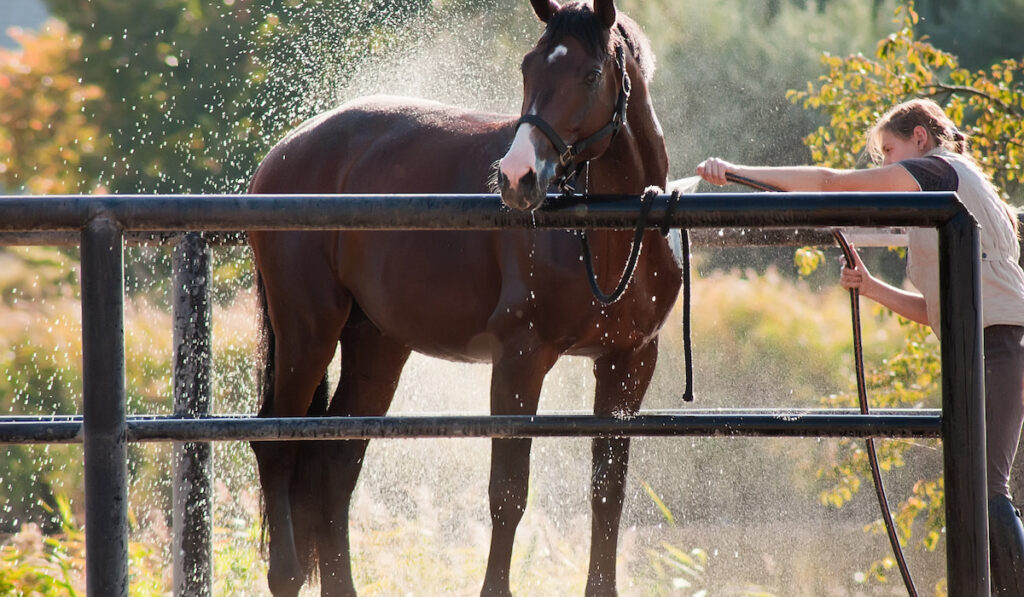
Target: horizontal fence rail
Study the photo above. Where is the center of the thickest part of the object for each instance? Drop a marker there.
(471, 212)
(723, 237)
(691, 422)
(104, 225)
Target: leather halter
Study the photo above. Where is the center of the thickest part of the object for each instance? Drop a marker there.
(568, 154)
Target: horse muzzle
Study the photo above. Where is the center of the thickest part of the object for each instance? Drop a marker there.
(525, 173)
(525, 194)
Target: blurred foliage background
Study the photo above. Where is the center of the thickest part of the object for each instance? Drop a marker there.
(185, 97)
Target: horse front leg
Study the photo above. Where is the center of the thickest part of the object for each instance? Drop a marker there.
(622, 381)
(515, 389)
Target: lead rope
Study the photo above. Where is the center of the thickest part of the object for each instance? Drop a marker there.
(684, 264)
(862, 394)
(606, 299)
(634, 253)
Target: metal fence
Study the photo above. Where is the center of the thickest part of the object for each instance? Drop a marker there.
(103, 224)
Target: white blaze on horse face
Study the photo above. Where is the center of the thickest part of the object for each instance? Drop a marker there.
(557, 53)
(521, 158)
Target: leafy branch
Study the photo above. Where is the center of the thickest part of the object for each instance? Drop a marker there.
(943, 88)
(854, 92)
(857, 89)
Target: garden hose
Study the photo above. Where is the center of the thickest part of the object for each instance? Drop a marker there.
(862, 393)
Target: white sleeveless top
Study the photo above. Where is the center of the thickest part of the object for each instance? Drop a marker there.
(1002, 280)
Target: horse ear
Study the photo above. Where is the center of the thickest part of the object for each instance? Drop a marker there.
(545, 8)
(605, 11)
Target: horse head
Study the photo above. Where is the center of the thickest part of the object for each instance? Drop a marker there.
(575, 91)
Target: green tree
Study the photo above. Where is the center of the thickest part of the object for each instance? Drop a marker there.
(45, 138)
(175, 90)
(989, 104)
(194, 93)
(979, 32)
(858, 89)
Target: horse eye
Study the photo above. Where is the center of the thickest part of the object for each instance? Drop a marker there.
(593, 77)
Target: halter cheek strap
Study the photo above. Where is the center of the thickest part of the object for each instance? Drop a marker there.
(568, 154)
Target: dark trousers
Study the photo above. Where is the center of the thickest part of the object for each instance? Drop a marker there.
(1004, 401)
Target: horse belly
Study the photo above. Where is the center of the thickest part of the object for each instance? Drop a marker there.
(434, 291)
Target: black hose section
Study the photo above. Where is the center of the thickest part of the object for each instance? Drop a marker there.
(634, 253)
(684, 241)
(862, 394)
(684, 235)
(750, 182)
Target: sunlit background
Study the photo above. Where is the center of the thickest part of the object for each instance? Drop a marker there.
(182, 96)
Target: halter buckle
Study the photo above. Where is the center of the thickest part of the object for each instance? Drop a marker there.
(567, 156)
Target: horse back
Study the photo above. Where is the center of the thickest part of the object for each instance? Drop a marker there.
(385, 144)
(391, 145)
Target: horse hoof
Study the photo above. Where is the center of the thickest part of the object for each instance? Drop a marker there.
(285, 583)
(495, 592)
(601, 589)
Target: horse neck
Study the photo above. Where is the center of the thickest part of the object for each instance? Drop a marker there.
(636, 159)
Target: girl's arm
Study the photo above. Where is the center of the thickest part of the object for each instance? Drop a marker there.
(892, 178)
(908, 304)
(813, 179)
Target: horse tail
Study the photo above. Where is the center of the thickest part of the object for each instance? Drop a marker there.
(264, 385)
(265, 349)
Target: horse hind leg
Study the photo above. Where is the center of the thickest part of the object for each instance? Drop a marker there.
(305, 505)
(622, 381)
(305, 340)
(371, 364)
(273, 464)
(283, 475)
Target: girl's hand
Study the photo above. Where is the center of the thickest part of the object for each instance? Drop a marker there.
(714, 170)
(856, 277)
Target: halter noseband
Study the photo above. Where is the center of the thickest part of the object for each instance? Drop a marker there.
(567, 154)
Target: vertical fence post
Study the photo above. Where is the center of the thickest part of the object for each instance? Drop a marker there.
(193, 467)
(104, 424)
(963, 409)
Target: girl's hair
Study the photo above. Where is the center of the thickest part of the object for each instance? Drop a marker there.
(903, 118)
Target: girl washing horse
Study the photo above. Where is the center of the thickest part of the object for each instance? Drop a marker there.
(918, 148)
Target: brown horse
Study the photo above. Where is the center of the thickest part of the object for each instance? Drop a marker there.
(518, 299)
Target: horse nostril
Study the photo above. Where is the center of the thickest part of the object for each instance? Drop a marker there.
(502, 180)
(528, 180)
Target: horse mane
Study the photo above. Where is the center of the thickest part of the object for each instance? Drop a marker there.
(577, 20)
